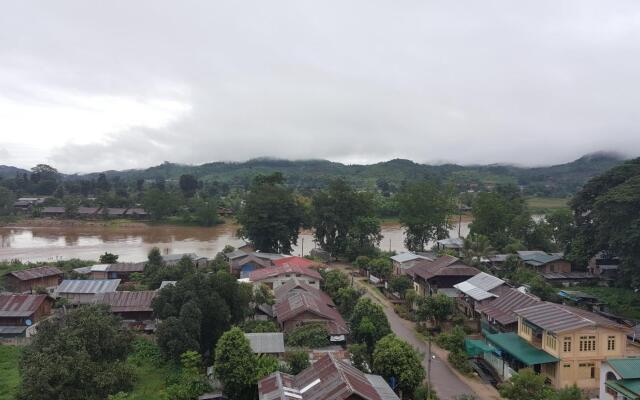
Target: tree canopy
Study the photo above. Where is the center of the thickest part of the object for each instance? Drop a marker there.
(272, 216)
(79, 355)
(235, 365)
(395, 358)
(368, 323)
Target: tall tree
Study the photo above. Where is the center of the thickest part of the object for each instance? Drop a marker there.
(526, 384)
(102, 183)
(78, 355)
(393, 358)
(7, 198)
(425, 209)
(271, 217)
(188, 185)
(607, 214)
(344, 219)
(368, 323)
(235, 365)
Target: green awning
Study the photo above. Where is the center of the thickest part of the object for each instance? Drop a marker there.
(476, 347)
(627, 387)
(519, 348)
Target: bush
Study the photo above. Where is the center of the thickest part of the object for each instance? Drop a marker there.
(253, 326)
(311, 336)
(422, 393)
(458, 359)
(145, 351)
(452, 341)
(297, 361)
(404, 312)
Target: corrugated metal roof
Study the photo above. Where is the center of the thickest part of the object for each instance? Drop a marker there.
(178, 257)
(35, 273)
(558, 318)
(127, 267)
(88, 286)
(266, 343)
(627, 368)
(294, 261)
(99, 267)
(408, 256)
(326, 379)
(521, 349)
(503, 308)
(12, 330)
(442, 266)
(537, 258)
(472, 291)
(485, 281)
(129, 301)
(272, 272)
(167, 283)
(452, 243)
(20, 305)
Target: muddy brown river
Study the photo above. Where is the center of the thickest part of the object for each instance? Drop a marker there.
(30, 243)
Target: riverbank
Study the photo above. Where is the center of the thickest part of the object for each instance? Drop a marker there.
(66, 223)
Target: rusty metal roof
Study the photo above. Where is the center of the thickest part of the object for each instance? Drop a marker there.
(272, 272)
(126, 267)
(295, 299)
(328, 378)
(129, 301)
(558, 318)
(20, 305)
(35, 273)
(442, 266)
(88, 286)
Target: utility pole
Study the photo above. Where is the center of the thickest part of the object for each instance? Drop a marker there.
(302, 254)
(429, 371)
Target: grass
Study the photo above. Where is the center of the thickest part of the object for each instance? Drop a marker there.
(544, 204)
(150, 382)
(622, 302)
(9, 376)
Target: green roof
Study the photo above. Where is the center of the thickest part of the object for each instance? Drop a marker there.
(629, 388)
(627, 368)
(521, 349)
(476, 347)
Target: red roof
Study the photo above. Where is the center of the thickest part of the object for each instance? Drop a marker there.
(328, 378)
(20, 305)
(129, 301)
(293, 261)
(304, 298)
(272, 272)
(35, 273)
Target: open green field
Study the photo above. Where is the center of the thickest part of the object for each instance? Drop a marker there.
(546, 203)
(9, 377)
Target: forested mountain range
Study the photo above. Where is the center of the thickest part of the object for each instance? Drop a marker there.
(556, 180)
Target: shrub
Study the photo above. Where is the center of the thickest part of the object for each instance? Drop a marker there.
(404, 312)
(253, 326)
(458, 358)
(145, 351)
(452, 341)
(312, 335)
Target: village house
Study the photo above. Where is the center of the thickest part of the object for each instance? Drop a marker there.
(299, 304)
(136, 212)
(498, 314)
(80, 292)
(604, 266)
(242, 263)
(476, 290)
(88, 212)
(53, 212)
(134, 307)
(27, 280)
(174, 259)
(20, 311)
(97, 271)
(542, 262)
(620, 379)
(123, 271)
(403, 261)
(327, 378)
(565, 344)
(454, 245)
(441, 274)
(114, 212)
(277, 276)
(269, 343)
(25, 204)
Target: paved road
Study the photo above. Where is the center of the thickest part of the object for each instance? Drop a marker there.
(444, 381)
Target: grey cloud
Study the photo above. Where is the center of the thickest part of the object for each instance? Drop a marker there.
(470, 82)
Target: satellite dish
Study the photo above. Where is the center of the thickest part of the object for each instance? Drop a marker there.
(28, 322)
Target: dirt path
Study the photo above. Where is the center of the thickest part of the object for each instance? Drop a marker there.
(446, 380)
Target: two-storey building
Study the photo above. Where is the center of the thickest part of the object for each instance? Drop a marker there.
(578, 339)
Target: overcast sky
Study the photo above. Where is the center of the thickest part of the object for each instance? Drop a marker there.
(95, 85)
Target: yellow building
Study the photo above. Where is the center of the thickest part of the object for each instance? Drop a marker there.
(579, 339)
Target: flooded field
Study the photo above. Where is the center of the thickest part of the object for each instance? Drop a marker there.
(132, 243)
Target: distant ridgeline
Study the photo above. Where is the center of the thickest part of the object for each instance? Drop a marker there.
(557, 180)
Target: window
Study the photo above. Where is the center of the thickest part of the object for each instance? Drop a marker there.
(312, 282)
(525, 329)
(611, 343)
(587, 343)
(551, 342)
(587, 371)
(566, 366)
(566, 345)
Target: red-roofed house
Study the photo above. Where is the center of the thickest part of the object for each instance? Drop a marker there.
(275, 277)
(26, 280)
(294, 261)
(328, 378)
